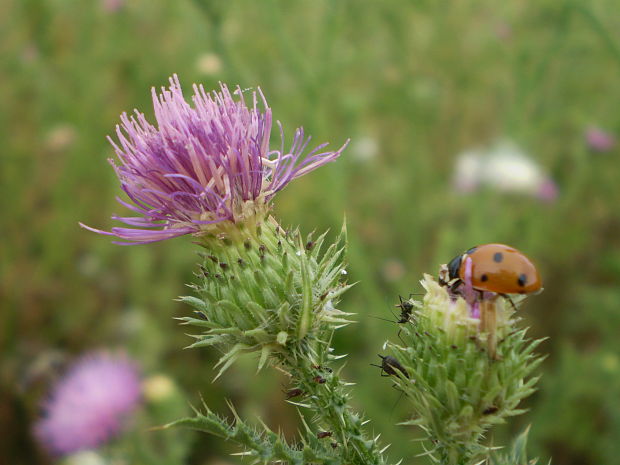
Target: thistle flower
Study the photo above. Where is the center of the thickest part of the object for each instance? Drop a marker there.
(203, 164)
(87, 407)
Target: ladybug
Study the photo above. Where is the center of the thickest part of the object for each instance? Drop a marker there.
(496, 268)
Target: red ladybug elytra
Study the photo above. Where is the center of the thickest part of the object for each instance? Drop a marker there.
(497, 268)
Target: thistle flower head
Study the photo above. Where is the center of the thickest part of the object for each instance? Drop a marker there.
(203, 164)
(88, 405)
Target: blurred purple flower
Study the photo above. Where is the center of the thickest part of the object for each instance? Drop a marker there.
(88, 405)
(112, 6)
(547, 191)
(204, 164)
(599, 140)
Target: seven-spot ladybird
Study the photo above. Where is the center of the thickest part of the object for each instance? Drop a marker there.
(497, 268)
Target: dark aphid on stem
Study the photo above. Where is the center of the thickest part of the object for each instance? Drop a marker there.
(389, 365)
(322, 368)
(294, 393)
(406, 307)
(490, 410)
(324, 434)
(406, 310)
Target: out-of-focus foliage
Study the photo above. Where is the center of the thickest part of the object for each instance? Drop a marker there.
(413, 84)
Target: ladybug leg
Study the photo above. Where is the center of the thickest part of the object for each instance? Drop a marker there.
(454, 287)
(488, 324)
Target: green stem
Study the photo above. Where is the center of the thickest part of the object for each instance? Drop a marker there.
(454, 455)
(599, 29)
(325, 392)
(267, 447)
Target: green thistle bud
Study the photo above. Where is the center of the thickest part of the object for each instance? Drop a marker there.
(459, 384)
(263, 289)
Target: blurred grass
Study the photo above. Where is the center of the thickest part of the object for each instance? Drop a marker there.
(421, 80)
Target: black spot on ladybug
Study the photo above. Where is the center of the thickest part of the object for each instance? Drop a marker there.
(522, 280)
(498, 257)
(484, 278)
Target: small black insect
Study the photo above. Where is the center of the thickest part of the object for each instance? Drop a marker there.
(490, 410)
(322, 368)
(389, 365)
(294, 393)
(406, 307)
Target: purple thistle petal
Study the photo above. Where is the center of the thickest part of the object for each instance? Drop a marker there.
(201, 162)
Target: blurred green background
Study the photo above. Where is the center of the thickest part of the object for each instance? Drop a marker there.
(412, 84)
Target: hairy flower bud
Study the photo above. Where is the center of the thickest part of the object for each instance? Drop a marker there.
(263, 289)
(460, 385)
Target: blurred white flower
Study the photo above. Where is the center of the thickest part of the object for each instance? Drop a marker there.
(469, 165)
(60, 138)
(364, 149)
(209, 64)
(157, 388)
(85, 457)
(503, 167)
